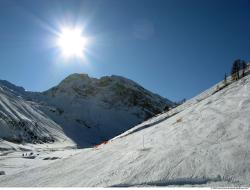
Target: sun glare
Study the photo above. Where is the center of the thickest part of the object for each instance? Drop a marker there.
(71, 42)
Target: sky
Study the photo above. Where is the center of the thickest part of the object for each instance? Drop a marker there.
(176, 48)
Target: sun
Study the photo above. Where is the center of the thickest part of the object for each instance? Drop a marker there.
(71, 42)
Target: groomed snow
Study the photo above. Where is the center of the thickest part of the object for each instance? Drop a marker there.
(205, 143)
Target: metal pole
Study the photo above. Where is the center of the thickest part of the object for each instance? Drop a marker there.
(143, 140)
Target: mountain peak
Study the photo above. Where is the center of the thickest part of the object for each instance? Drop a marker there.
(89, 102)
(75, 77)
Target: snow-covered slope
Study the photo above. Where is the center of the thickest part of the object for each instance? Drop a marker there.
(206, 142)
(94, 110)
(22, 122)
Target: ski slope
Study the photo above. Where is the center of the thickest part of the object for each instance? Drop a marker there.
(204, 142)
(173, 111)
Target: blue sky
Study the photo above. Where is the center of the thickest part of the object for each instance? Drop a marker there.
(176, 48)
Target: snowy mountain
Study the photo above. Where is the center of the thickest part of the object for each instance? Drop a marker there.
(203, 142)
(95, 110)
(86, 110)
(22, 122)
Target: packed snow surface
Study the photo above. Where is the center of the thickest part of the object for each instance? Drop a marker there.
(205, 142)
